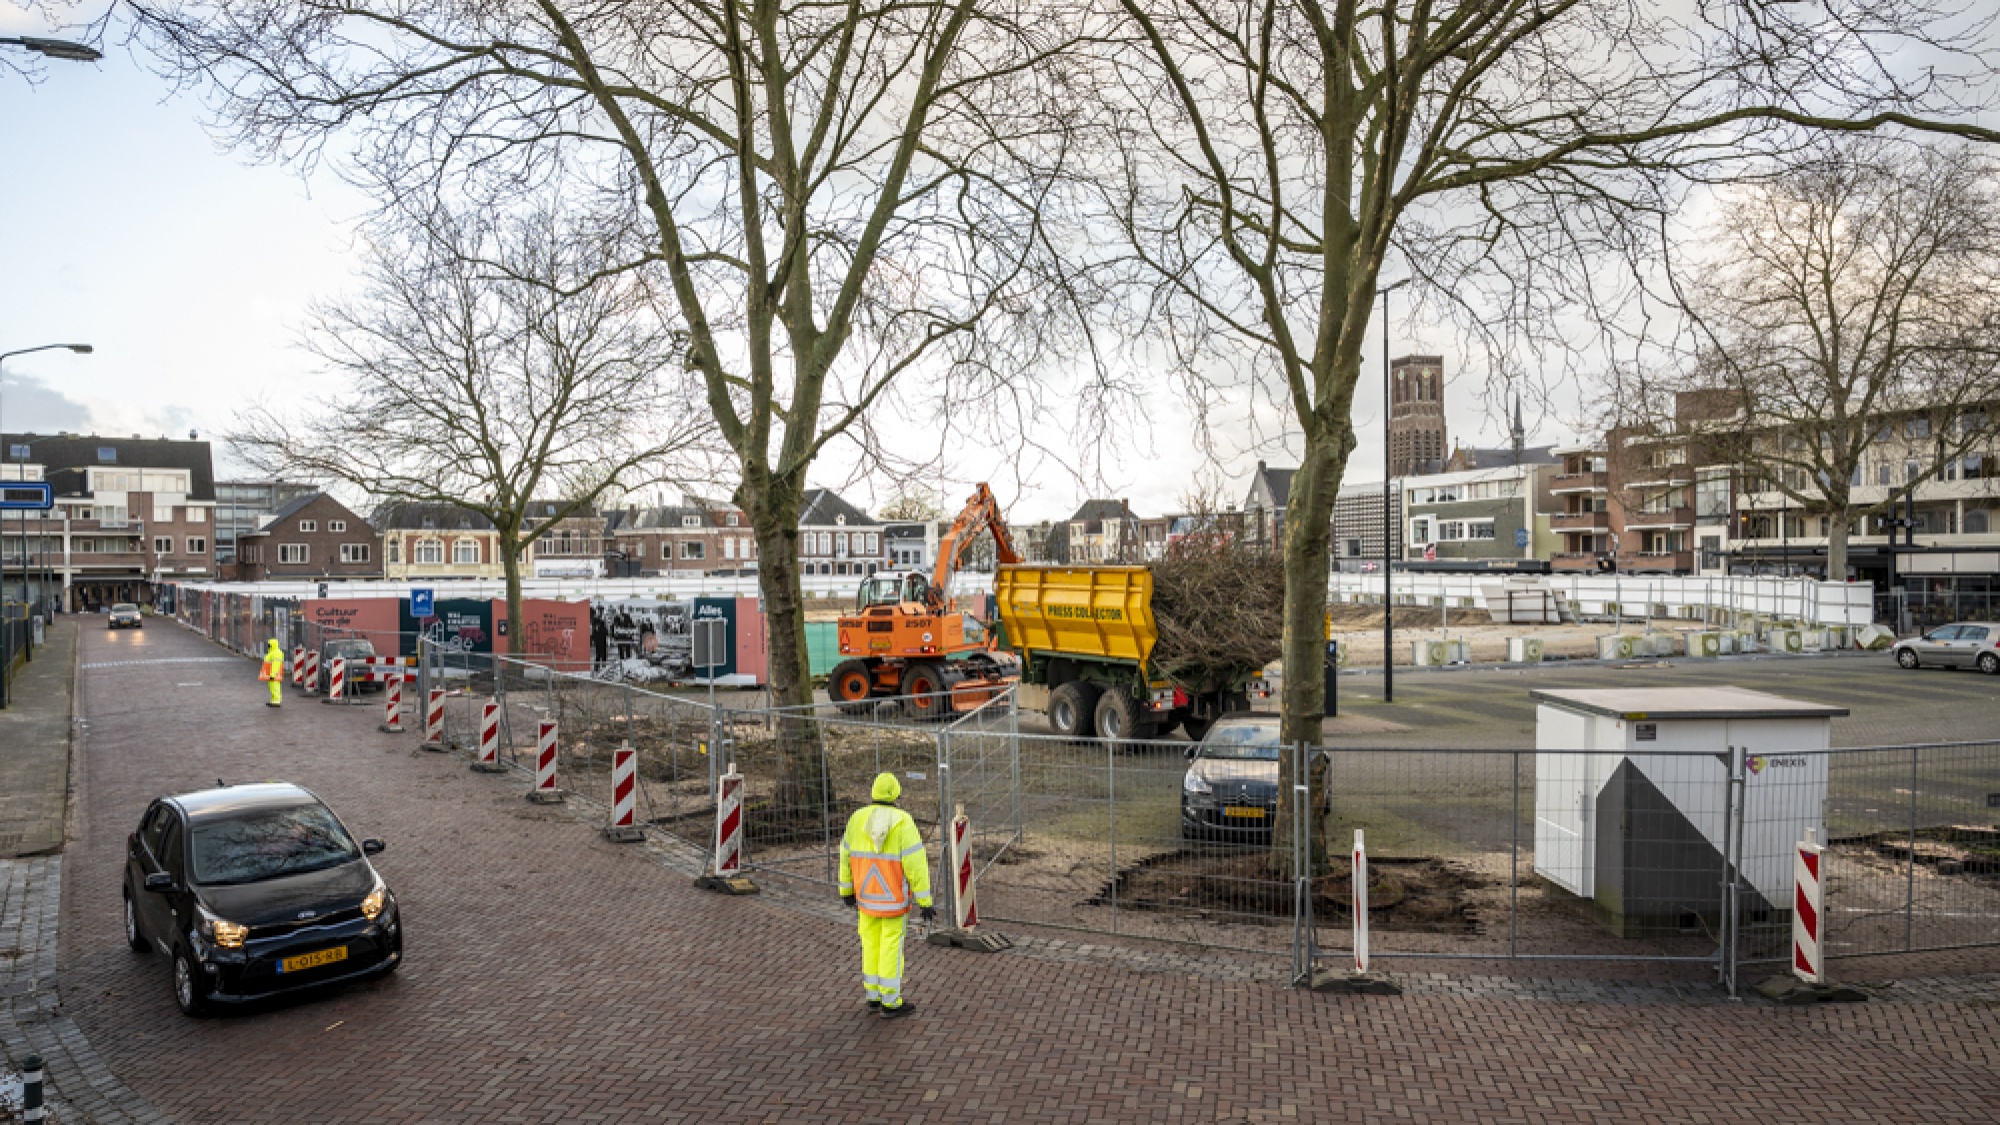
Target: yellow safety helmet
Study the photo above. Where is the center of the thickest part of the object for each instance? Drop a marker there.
(887, 788)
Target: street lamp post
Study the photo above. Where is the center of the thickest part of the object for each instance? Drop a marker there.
(54, 48)
(6, 455)
(1388, 520)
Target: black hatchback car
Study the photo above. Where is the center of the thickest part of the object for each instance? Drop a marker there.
(253, 891)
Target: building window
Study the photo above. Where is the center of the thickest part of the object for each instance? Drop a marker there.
(1911, 471)
(395, 550)
(163, 513)
(430, 552)
(336, 526)
(666, 550)
(107, 455)
(197, 546)
(197, 515)
(163, 545)
(17, 452)
(465, 552)
(1917, 428)
(732, 519)
(874, 544)
(354, 552)
(694, 549)
(1975, 467)
(729, 548)
(1884, 475)
(293, 554)
(307, 527)
(1976, 521)
(1479, 529)
(690, 521)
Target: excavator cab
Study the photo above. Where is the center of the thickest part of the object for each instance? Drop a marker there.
(879, 589)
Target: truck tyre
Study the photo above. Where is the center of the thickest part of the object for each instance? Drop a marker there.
(850, 685)
(924, 688)
(1071, 710)
(1196, 728)
(1117, 716)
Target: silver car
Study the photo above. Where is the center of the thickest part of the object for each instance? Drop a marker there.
(125, 615)
(1968, 644)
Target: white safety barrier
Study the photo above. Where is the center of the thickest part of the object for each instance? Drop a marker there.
(1360, 877)
(1808, 910)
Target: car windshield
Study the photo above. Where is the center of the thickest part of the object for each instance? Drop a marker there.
(124, 607)
(1250, 742)
(351, 648)
(266, 843)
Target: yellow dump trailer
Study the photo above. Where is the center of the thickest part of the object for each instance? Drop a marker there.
(1085, 636)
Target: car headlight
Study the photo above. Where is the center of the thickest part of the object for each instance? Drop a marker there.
(1195, 783)
(371, 907)
(223, 932)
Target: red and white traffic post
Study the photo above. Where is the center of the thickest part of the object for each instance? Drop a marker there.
(624, 827)
(1808, 911)
(729, 825)
(298, 666)
(434, 721)
(488, 760)
(312, 671)
(545, 791)
(965, 910)
(392, 704)
(336, 681)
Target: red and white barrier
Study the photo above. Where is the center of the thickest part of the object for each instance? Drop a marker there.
(965, 910)
(336, 680)
(729, 825)
(312, 671)
(545, 790)
(299, 666)
(1808, 909)
(434, 721)
(1360, 878)
(489, 738)
(392, 706)
(379, 669)
(624, 826)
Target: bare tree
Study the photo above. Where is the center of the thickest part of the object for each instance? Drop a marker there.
(475, 372)
(1848, 319)
(838, 195)
(1277, 151)
(919, 504)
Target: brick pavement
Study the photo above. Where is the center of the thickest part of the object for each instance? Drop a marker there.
(553, 976)
(35, 732)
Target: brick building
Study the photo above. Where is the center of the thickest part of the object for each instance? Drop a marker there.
(692, 538)
(1416, 415)
(836, 538)
(315, 538)
(423, 541)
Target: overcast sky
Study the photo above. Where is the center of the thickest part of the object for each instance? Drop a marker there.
(190, 269)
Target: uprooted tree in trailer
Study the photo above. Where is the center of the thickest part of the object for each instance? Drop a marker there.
(835, 196)
(1277, 152)
(469, 379)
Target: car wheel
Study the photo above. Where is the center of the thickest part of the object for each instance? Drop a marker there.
(1070, 710)
(133, 937)
(1906, 657)
(1117, 715)
(1989, 663)
(190, 991)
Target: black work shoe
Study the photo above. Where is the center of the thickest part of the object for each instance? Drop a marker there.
(874, 1004)
(899, 1011)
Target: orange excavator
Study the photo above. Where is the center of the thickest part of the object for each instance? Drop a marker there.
(909, 638)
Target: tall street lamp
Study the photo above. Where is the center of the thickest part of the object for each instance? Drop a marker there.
(55, 48)
(7, 453)
(1388, 524)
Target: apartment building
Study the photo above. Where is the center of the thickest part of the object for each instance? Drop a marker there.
(1106, 531)
(1503, 512)
(243, 506)
(1264, 507)
(312, 538)
(695, 537)
(1358, 527)
(836, 538)
(129, 513)
(571, 546)
(422, 541)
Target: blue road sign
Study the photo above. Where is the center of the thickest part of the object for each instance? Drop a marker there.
(1520, 537)
(423, 603)
(27, 496)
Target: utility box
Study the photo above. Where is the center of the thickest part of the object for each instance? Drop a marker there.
(1633, 799)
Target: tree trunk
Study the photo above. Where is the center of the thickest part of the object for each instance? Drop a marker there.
(1836, 546)
(1308, 516)
(510, 566)
(773, 506)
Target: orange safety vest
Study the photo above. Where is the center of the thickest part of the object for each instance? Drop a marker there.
(884, 874)
(273, 669)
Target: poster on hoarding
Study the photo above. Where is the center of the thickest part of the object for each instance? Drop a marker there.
(557, 633)
(459, 625)
(373, 619)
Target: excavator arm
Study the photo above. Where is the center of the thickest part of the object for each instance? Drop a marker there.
(982, 513)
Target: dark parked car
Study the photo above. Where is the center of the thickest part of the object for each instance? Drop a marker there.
(125, 615)
(350, 651)
(256, 890)
(1969, 644)
(1231, 787)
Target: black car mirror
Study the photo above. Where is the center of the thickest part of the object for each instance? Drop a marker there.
(160, 882)
(1191, 751)
(372, 847)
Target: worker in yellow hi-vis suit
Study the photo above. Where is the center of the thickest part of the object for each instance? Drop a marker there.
(882, 870)
(273, 672)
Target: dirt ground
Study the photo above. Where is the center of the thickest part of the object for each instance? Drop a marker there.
(1359, 631)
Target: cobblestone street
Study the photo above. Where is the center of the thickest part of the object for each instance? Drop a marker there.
(553, 976)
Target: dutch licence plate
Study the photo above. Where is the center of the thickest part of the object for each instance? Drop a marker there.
(306, 961)
(1244, 814)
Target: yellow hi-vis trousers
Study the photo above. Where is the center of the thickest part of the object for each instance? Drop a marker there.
(277, 686)
(882, 958)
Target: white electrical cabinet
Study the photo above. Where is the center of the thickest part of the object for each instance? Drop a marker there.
(1633, 797)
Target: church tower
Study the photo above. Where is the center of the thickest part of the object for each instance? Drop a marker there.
(1416, 415)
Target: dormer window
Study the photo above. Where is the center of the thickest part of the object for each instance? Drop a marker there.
(690, 521)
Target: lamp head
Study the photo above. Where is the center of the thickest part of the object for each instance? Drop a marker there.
(61, 49)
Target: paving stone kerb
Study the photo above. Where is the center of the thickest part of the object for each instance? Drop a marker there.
(554, 976)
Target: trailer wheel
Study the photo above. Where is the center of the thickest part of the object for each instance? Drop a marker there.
(850, 685)
(1118, 716)
(924, 689)
(1196, 729)
(1071, 712)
